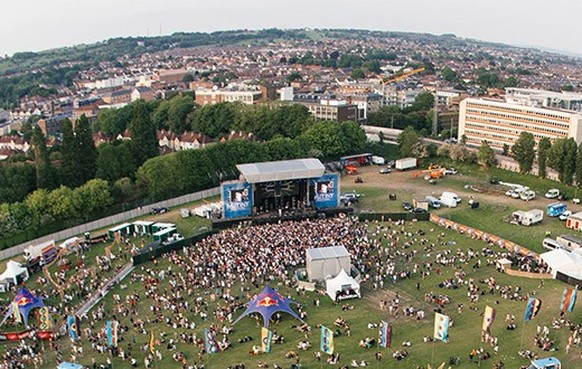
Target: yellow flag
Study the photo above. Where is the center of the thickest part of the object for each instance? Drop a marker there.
(152, 342)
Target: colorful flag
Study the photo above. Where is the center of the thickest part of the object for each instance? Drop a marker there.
(533, 308)
(112, 331)
(266, 337)
(44, 319)
(152, 342)
(441, 327)
(385, 337)
(488, 318)
(210, 339)
(16, 312)
(326, 345)
(568, 300)
(73, 324)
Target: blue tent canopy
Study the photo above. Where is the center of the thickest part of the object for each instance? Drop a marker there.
(267, 303)
(25, 301)
(65, 365)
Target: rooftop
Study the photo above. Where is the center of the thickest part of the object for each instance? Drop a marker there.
(331, 252)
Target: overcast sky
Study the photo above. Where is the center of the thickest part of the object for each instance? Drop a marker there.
(32, 25)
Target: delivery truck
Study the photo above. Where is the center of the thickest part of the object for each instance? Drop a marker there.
(406, 163)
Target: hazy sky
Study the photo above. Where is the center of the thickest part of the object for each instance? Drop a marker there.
(31, 25)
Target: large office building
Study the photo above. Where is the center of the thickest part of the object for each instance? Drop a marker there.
(500, 123)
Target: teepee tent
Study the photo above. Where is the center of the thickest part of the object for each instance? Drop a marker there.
(267, 303)
(342, 287)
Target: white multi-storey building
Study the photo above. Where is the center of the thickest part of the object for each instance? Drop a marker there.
(500, 123)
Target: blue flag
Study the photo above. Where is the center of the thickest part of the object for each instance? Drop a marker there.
(533, 308)
(210, 340)
(73, 324)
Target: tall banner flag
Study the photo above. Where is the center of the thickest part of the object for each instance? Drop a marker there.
(441, 327)
(488, 318)
(326, 191)
(266, 337)
(385, 337)
(44, 319)
(533, 308)
(16, 312)
(237, 198)
(73, 324)
(152, 342)
(326, 344)
(568, 300)
(210, 340)
(112, 331)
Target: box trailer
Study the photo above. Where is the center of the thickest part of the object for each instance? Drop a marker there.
(406, 163)
(556, 209)
(570, 241)
(529, 217)
(43, 253)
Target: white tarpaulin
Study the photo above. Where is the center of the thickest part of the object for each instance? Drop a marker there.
(342, 287)
(568, 263)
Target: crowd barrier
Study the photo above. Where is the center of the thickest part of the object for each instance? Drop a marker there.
(382, 217)
(156, 249)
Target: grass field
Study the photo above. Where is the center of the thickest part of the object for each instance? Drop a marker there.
(464, 334)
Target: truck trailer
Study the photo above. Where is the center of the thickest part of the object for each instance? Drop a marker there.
(406, 163)
(529, 217)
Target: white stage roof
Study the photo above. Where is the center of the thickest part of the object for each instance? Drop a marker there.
(327, 252)
(285, 170)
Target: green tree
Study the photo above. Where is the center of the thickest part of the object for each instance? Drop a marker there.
(352, 137)
(144, 141)
(571, 151)
(406, 140)
(294, 76)
(579, 167)
(423, 102)
(358, 73)
(180, 107)
(70, 164)
(86, 151)
(486, 156)
(324, 136)
(115, 162)
(39, 206)
(556, 155)
(93, 195)
(449, 74)
(160, 116)
(543, 148)
(62, 204)
(45, 173)
(505, 149)
(524, 151)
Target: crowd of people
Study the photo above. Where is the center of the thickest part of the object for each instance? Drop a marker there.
(211, 281)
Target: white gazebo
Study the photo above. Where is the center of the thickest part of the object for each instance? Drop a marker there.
(342, 287)
(326, 262)
(14, 271)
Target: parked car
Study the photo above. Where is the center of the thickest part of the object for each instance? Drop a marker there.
(494, 180)
(509, 193)
(385, 171)
(433, 202)
(552, 193)
(419, 211)
(349, 198)
(516, 194)
(407, 205)
(159, 210)
(564, 216)
(451, 171)
(391, 164)
(527, 195)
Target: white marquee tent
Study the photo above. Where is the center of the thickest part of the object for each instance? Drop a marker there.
(342, 287)
(326, 262)
(13, 272)
(568, 263)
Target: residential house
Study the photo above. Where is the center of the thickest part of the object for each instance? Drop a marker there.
(144, 93)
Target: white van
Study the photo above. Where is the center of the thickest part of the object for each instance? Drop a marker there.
(451, 194)
(551, 244)
(449, 201)
(378, 160)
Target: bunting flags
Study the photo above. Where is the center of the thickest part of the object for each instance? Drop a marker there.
(533, 308)
(112, 331)
(385, 336)
(568, 300)
(152, 342)
(266, 337)
(441, 327)
(44, 319)
(210, 340)
(488, 318)
(73, 324)
(16, 312)
(326, 344)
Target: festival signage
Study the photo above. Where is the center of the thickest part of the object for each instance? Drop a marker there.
(210, 341)
(73, 324)
(266, 337)
(441, 327)
(568, 300)
(385, 337)
(326, 344)
(488, 318)
(112, 333)
(44, 320)
(326, 190)
(533, 308)
(237, 198)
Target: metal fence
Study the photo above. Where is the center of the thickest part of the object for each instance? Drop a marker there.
(107, 221)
